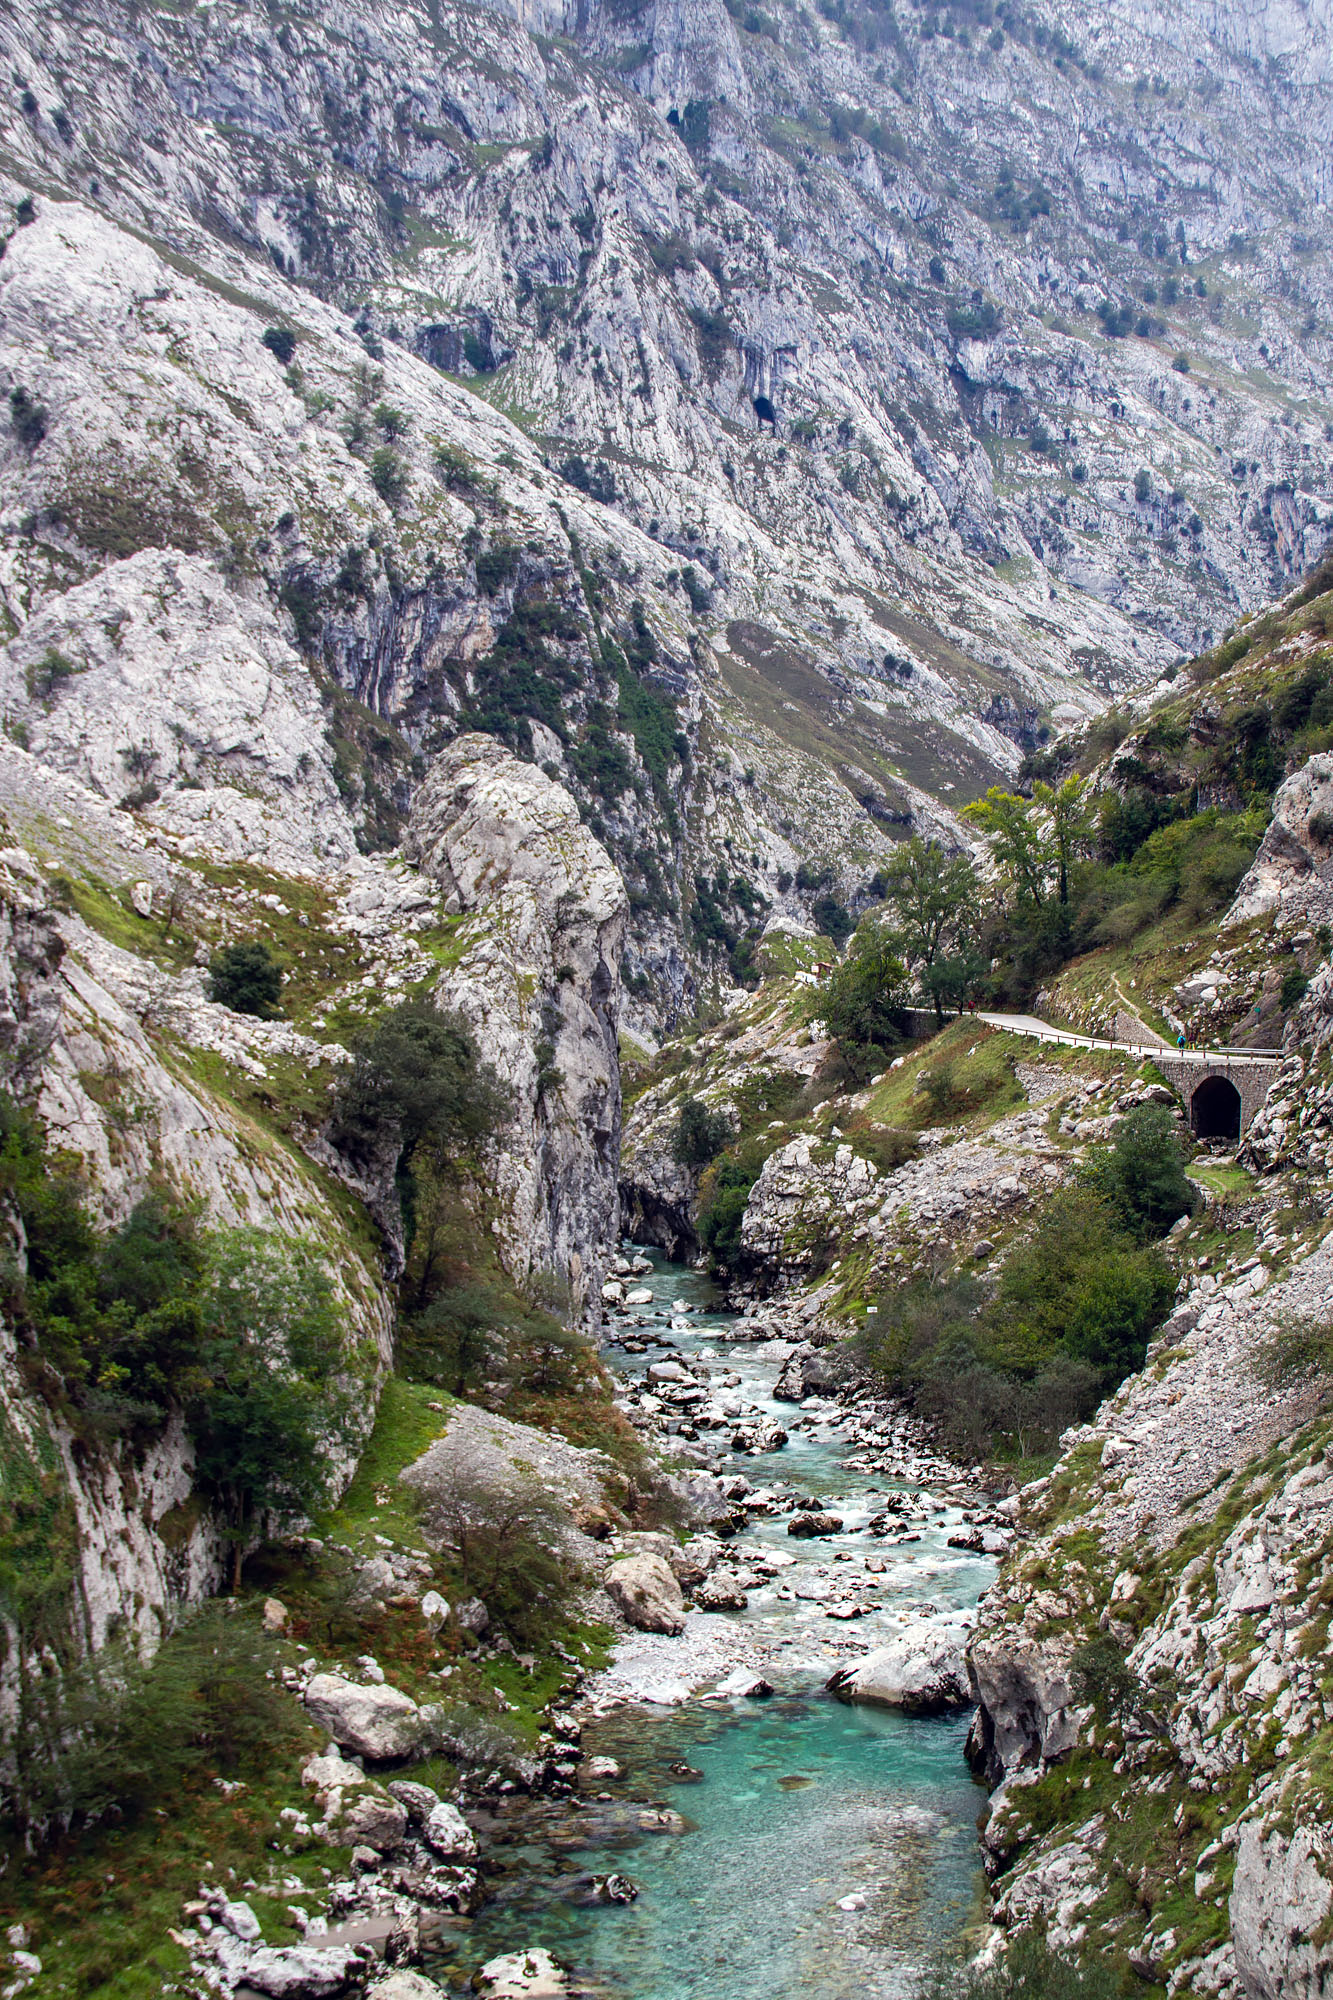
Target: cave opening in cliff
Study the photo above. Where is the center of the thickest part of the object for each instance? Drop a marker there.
(1215, 1109)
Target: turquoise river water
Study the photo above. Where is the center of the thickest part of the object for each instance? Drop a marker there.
(792, 1805)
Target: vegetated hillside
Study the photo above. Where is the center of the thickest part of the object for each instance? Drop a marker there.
(1005, 1232)
(1181, 798)
(764, 419)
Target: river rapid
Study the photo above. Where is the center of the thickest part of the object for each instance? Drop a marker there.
(807, 1847)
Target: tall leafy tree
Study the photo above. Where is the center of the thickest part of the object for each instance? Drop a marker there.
(933, 895)
(866, 997)
(1011, 824)
(276, 1396)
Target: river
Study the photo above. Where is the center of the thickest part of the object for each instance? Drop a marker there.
(793, 1806)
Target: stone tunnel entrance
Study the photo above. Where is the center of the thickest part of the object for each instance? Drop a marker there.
(1215, 1109)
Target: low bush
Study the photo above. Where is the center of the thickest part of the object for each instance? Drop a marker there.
(1142, 1173)
(1001, 1370)
(114, 1737)
(1028, 1970)
(508, 1538)
(700, 1134)
(724, 1194)
(247, 978)
(865, 1001)
(239, 1331)
(280, 342)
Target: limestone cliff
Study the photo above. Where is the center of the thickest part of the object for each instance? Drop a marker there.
(536, 974)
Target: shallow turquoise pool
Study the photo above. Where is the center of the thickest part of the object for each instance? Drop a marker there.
(802, 1802)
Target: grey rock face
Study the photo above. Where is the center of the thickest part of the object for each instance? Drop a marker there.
(538, 979)
(1280, 1899)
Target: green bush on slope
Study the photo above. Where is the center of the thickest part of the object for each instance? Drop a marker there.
(237, 1330)
(1002, 1371)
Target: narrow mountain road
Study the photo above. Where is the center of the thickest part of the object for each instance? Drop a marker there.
(1028, 1024)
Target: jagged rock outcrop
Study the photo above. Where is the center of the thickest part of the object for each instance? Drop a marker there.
(537, 977)
(1293, 869)
(1179, 1530)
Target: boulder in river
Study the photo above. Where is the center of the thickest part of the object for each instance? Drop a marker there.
(405, 1986)
(376, 1722)
(448, 1834)
(522, 1975)
(921, 1672)
(806, 1525)
(744, 1681)
(644, 1589)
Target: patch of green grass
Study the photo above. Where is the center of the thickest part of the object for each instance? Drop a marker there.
(963, 1075)
(99, 1905)
(405, 1427)
(110, 914)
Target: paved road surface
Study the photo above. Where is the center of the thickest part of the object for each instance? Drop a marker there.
(1028, 1024)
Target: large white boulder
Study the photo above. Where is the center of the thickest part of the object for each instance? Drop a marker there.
(300, 1971)
(644, 1590)
(376, 1722)
(404, 1986)
(920, 1672)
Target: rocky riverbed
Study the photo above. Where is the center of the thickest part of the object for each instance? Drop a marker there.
(713, 1752)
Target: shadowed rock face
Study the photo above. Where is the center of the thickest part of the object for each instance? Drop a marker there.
(538, 979)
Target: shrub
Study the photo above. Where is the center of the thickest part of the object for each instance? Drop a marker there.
(113, 1737)
(50, 673)
(1029, 1970)
(1142, 1173)
(1082, 1288)
(497, 566)
(700, 1134)
(1294, 985)
(247, 978)
(1181, 364)
(975, 320)
(388, 475)
(725, 1195)
(416, 1082)
(509, 1538)
(273, 1398)
(866, 997)
(280, 341)
(1142, 485)
(27, 418)
(457, 470)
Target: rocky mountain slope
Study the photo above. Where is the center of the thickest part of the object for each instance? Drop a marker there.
(1151, 1668)
(916, 376)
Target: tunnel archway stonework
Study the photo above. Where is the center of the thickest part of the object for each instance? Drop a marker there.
(1215, 1109)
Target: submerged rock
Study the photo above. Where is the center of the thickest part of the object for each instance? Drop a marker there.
(522, 1975)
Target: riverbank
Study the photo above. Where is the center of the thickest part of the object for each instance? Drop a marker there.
(798, 1842)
